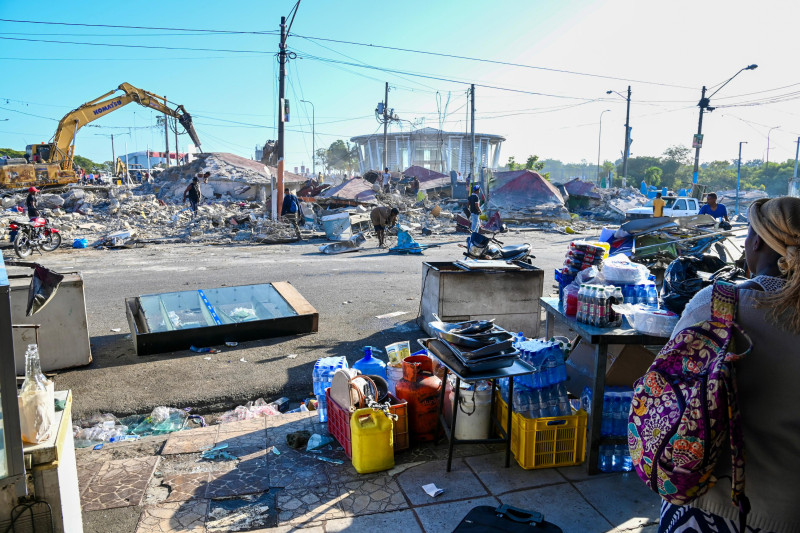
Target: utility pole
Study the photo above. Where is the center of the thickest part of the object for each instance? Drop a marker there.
(794, 183)
(627, 140)
(472, 134)
(281, 93)
(698, 141)
(177, 160)
(599, 137)
(766, 165)
(739, 174)
(386, 127)
(166, 132)
(114, 156)
(313, 139)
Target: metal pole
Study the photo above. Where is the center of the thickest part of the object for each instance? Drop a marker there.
(113, 156)
(177, 160)
(766, 165)
(281, 94)
(472, 133)
(386, 127)
(739, 174)
(794, 183)
(627, 140)
(599, 137)
(313, 139)
(166, 132)
(703, 104)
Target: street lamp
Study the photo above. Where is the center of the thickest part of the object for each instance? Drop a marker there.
(313, 139)
(627, 135)
(766, 165)
(599, 137)
(739, 174)
(703, 105)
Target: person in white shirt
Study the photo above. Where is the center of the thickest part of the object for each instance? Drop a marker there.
(387, 177)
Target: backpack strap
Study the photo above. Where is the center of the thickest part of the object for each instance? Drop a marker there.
(723, 302)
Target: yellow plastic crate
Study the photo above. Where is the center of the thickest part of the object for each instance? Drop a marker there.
(545, 442)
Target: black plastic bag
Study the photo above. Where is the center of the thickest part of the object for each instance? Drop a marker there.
(681, 282)
(43, 287)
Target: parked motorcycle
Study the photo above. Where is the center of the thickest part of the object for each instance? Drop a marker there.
(36, 234)
(483, 247)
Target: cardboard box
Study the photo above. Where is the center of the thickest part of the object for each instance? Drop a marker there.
(626, 363)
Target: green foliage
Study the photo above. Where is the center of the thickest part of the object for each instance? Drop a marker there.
(11, 153)
(340, 155)
(87, 164)
(653, 176)
(512, 165)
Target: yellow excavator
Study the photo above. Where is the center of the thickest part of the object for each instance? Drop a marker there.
(49, 164)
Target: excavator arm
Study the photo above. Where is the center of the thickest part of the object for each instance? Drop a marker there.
(63, 144)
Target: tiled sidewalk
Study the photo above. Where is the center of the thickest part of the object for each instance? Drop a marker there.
(166, 488)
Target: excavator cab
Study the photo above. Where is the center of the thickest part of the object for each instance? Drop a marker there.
(38, 153)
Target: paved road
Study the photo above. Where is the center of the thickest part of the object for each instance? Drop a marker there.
(348, 291)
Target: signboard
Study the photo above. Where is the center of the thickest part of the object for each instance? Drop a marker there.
(697, 140)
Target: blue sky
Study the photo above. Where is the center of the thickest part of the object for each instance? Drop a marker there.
(665, 51)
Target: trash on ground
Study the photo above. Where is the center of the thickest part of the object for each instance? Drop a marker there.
(392, 315)
(258, 408)
(298, 439)
(218, 453)
(318, 441)
(231, 344)
(432, 490)
(203, 350)
(116, 330)
(329, 460)
(291, 356)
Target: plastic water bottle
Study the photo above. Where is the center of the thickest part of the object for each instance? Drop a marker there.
(617, 458)
(629, 294)
(605, 459)
(641, 294)
(550, 366)
(564, 408)
(607, 426)
(552, 400)
(617, 424)
(627, 463)
(586, 400)
(652, 294)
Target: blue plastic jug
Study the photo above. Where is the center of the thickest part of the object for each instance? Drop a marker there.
(370, 365)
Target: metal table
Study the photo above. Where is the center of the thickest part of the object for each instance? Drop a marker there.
(600, 338)
(452, 364)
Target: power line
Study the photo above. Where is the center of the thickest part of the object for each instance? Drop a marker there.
(149, 47)
(496, 62)
(269, 32)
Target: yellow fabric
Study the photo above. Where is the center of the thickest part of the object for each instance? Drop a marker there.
(658, 207)
(777, 221)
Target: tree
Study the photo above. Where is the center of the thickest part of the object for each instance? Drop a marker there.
(87, 164)
(675, 165)
(11, 153)
(512, 165)
(653, 176)
(340, 155)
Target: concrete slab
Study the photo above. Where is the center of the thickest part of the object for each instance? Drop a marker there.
(639, 507)
(491, 470)
(404, 521)
(446, 516)
(123, 518)
(457, 484)
(562, 505)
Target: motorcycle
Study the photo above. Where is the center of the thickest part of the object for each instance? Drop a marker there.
(483, 247)
(36, 234)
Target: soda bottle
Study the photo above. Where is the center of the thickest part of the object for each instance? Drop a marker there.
(602, 308)
(591, 310)
(581, 301)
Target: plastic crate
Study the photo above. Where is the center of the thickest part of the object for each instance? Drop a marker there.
(545, 442)
(339, 424)
(563, 280)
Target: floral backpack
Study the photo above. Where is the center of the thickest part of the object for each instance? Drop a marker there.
(685, 406)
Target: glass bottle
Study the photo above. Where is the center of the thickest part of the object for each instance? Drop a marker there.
(34, 379)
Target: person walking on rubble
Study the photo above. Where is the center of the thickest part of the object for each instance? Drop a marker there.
(192, 192)
(32, 203)
(383, 217)
(474, 203)
(387, 179)
(292, 211)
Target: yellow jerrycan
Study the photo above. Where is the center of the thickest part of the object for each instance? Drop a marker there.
(373, 446)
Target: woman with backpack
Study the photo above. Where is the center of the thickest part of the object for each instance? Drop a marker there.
(768, 311)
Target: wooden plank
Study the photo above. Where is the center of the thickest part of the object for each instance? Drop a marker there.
(297, 302)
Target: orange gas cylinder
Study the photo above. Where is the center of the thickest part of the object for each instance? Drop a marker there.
(422, 390)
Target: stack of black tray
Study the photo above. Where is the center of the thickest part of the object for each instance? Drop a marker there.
(480, 346)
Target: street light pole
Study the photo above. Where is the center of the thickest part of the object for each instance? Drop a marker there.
(739, 174)
(703, 105)
(313, 139)
(766, 165)
(599, 138)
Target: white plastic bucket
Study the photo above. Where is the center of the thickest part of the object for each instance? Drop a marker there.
(393, 375)
(474, 414)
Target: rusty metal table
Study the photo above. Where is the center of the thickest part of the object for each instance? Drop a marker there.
(600, 338)
(451, 364)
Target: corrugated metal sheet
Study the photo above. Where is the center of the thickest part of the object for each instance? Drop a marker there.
(525, 187)
(356, 189)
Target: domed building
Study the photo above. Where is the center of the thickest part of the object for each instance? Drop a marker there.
(437, 150)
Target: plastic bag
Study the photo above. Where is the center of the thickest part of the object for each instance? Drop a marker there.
(620, 270)
(681, 282)
(36, 415)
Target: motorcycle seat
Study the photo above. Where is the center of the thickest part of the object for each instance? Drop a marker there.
(511, 251)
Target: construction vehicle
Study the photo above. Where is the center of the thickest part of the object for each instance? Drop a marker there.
(50, 164)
